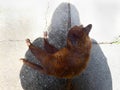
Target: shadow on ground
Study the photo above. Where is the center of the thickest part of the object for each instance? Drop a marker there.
(97, 76)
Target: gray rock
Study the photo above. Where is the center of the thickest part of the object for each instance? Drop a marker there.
(97, 75)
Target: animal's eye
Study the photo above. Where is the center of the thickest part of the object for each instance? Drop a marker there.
(72, 38)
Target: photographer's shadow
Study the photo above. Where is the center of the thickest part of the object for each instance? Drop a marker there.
(97, 75)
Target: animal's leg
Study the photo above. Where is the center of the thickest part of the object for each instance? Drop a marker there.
(38, 52)
(33, 65)
(48, 47)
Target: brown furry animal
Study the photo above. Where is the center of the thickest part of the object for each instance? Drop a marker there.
(67, 62)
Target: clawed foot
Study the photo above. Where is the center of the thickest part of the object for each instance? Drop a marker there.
(28, 42)
(24, 60)
(45, 35)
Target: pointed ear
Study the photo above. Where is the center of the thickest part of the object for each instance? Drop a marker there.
(88, 28)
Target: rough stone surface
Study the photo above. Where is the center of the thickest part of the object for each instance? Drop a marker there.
(97, 75)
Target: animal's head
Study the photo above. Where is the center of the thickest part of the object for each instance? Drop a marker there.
(78, 35)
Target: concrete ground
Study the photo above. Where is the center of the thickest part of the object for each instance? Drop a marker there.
(11, 51)
(112, 53)
(21, 19)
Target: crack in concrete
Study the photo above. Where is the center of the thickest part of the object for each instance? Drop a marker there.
(46, 13)
(113, 42)
(69, 16)
(105, 42)
(11, 40)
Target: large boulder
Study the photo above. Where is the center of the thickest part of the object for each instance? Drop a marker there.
(97, 75)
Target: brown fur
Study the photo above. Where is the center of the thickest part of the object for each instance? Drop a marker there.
(67, 62)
